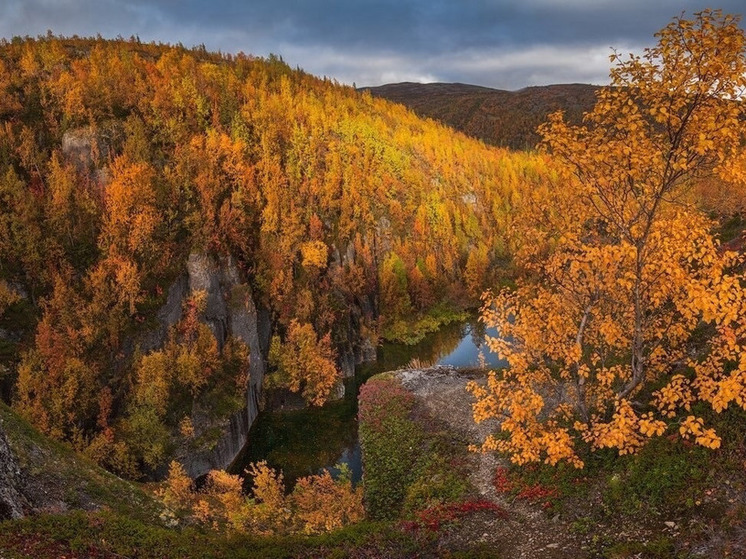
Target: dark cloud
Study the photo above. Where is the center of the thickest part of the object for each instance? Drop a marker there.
(500, 43)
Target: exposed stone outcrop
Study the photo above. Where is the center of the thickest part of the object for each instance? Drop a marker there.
(230, 310)
(235, 434)
(354, 349)
(168, 315)
(12, 501)
(88, 149)
(354, 353)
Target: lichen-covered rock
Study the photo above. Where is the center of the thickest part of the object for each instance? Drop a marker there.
(12, 501)
(41, 476)
(205, 274)
(235, 434)
(88, 149)
(168, 315)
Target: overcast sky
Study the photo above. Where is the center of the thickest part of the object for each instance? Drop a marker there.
(506, 44)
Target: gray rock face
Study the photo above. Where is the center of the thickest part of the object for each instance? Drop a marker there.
(366, 351)
(205, 275)
(12, 501)
(168, 315)
(244, 322)
(88, 149)
(225, 451)
(230, 311)
(356, 350)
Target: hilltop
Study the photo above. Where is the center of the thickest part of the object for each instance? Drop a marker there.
(498, 117)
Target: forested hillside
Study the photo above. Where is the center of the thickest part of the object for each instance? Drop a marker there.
(187, 237)
(345, 217)
(498, 117)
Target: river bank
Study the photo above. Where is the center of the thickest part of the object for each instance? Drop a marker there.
(302, 441)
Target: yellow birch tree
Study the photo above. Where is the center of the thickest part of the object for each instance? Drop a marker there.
(612, 296)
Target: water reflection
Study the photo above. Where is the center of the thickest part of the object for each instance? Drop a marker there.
(304, 442)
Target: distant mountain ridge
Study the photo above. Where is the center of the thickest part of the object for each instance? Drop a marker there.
(498, 117)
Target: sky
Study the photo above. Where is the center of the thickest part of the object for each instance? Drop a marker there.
(507, 44)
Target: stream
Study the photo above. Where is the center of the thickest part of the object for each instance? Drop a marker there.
(303, 442)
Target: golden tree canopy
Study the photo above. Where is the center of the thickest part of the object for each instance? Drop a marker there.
(620, 271)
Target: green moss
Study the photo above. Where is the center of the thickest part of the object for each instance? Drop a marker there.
(660, 548)
(664, 474)
(109, 534)
(57, 470)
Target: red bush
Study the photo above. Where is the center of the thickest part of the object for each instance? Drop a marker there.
(434, 517)
(504, 483)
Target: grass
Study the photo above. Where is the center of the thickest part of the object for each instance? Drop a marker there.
(619, 504)
(109, 534)
(57, 474)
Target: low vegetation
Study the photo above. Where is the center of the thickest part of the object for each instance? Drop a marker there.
(109, 535)
(316, 504)
(411, 462)
(56, 479)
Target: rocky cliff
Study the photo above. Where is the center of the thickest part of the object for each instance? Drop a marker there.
(230, 310)
(12, 501)
(39, 475)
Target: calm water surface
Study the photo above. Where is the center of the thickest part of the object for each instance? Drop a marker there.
(306, 441)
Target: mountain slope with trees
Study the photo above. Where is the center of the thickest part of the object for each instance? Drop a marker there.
(498, 117)
(342, 217)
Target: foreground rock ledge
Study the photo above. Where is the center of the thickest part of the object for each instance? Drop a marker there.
(527, 533)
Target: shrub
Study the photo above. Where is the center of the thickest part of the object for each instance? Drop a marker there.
(317, 504)
(409, 464)
(391, 443)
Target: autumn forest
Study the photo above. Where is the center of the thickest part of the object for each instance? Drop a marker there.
(143, 186)
(340, 209)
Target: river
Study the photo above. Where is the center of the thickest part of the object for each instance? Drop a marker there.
(303, 442)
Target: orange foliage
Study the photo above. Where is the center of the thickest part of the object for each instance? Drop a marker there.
(322, 504)
(317, 504)
(178, 492)
(118, 159)
(305, 363)
(619, 270)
